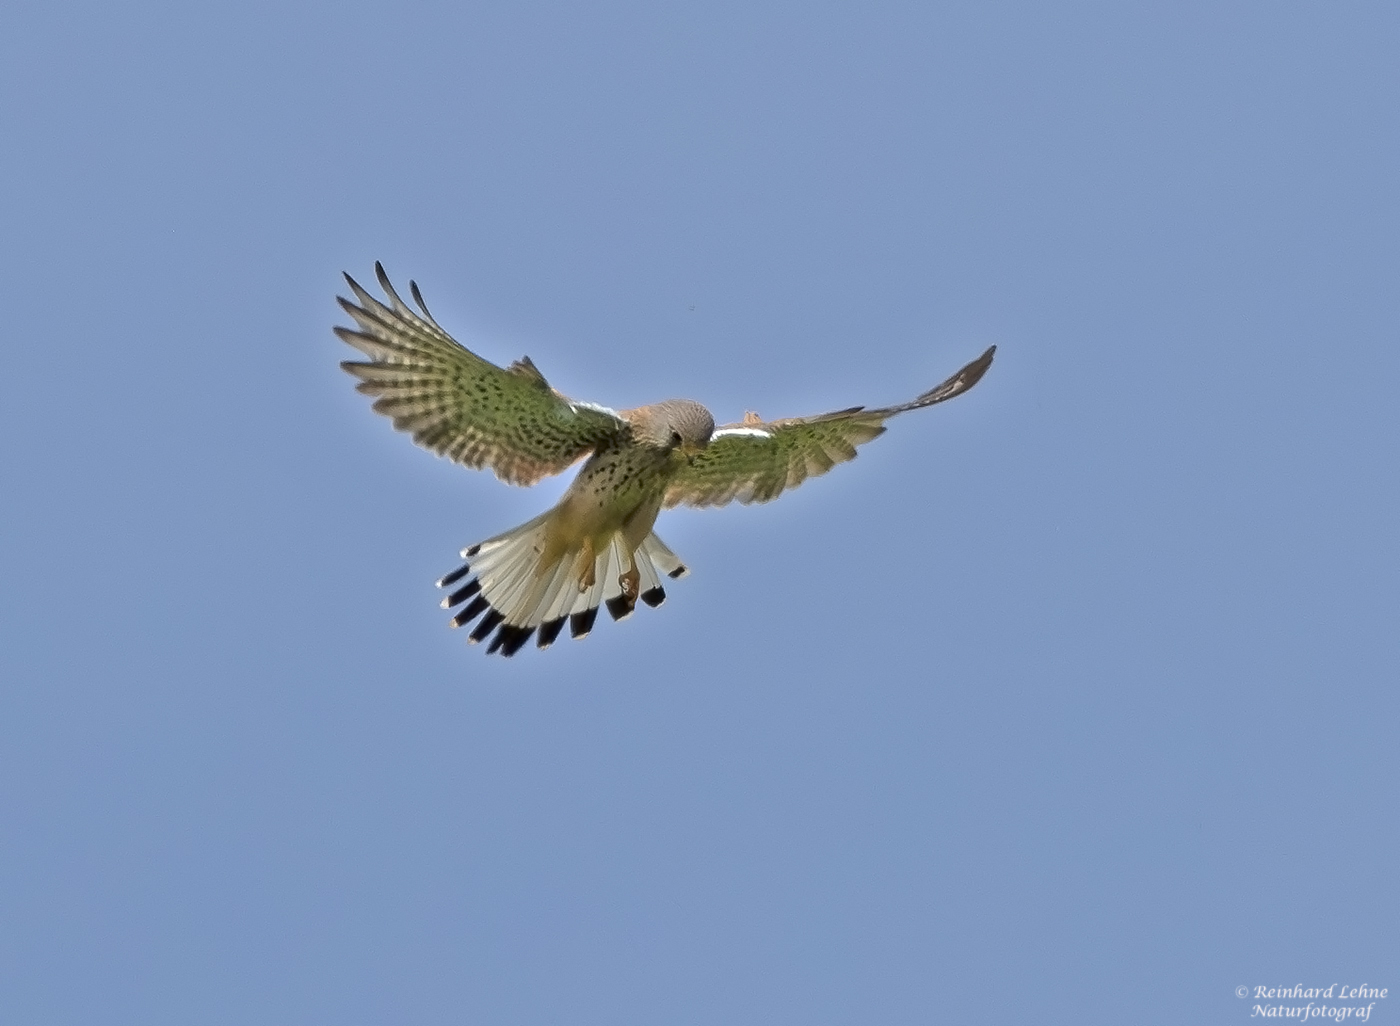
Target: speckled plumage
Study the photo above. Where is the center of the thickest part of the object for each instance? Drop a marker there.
(596, 546)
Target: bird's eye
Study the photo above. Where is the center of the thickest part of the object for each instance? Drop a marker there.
(675, 438)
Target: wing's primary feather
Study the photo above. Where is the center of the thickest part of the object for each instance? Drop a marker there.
(756, 462)
(459, 405)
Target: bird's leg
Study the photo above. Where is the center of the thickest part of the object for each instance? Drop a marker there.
(631, 583)
(589, 575)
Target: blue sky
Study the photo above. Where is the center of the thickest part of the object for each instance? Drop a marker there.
(1071, 700)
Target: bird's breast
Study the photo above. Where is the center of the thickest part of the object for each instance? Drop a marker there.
(613, 486)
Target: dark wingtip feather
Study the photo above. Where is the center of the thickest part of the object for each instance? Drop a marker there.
(550, 630)
(483, 630)
(461, 595)
(620, 607)
(654, 596)
(581, 623)
(398, 304)
(418, 298)
(973, 372)
(470, 551)
(479, 605)
(956, 385)
(454, 576)
(678, 572)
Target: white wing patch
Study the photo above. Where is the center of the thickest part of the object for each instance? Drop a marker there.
(743, 431)
(596, 408)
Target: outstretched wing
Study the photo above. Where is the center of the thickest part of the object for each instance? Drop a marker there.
(755, 462)
(459, 405)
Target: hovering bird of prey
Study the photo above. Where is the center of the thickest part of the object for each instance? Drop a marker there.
(596, 546)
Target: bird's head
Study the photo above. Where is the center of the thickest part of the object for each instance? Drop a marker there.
(677, 424)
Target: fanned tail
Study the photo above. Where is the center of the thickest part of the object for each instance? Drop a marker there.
(504, 583)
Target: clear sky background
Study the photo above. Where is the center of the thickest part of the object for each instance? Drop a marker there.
(1072, 700)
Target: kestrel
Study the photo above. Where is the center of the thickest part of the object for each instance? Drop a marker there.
(596, 546)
